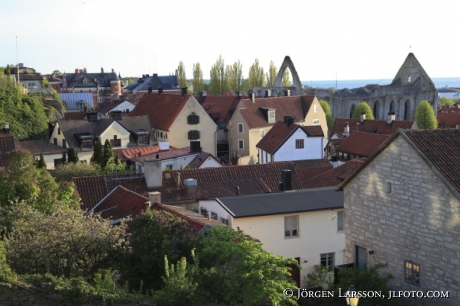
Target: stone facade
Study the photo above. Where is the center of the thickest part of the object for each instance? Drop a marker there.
(410, 86)
(417, 220)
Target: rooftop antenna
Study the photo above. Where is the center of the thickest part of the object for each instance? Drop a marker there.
(17, 58)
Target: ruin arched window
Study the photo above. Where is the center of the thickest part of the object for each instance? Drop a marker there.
(392, 106)
(376, 109)
(352, 110)
(406, 110)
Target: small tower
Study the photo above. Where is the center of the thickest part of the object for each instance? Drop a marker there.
(115, 84)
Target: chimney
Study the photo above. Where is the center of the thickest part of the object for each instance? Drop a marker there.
(149, 89)
(154, 197)
(102, 70)
(91, 116)
(288, 120)
(191, 185)
(346, 130)
(391, 118)
(6, 127)
(178, 179)
(153, 173)
(287, 93)
(116, 115)
(267, 93)
(253, 97)
(237, 188)
(362, 118)
(155, 75)
(208, 215)
(160, 90)
(113, 71)
(286, 180)
(183, 91)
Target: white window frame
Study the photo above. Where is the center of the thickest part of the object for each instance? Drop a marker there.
(262, 133)
(340, 221)
(299, 142)
(315, 122)
(315, 108)
(240, 128)
(325, 260)
(291, 226)
(240, 144)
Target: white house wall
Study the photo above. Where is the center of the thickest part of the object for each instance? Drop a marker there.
(115, 129)
(210, 162)
(215, 207)
(176, 163)
(313, 148)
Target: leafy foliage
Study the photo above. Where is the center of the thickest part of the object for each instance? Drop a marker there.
(217, 82)
(286, 81)
(256, 75)
(180, 74)
(64, 243)
(425, 117)
(363, 107)
(329, 118)
(65, 172)
(72, 155)
(446, 101)
(197, 81)
(5, 271)
(107, 154)
(41, 162)
(97, 157)
(155, 235)
(366, 278)
(234, 77)
(271, 74)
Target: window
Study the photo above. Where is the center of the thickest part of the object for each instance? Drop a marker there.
(64, 143)
(57, 162)
(315, 121)
(224, 221)
(388, 187)
(291, 226)
(59, 131)
(315, 108)
(299, 144)
(87, 144)
(262, 133)
(412, 273)
(271, 116)
(240, 144)
(408, 79)
(144, 139)
(213, 216)
(240, 128)
(115, 142)
(193, 119)
(327, 261)
(55, 141)
(193, 135)
(340, 221)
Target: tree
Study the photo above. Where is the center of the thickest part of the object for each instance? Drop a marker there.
(180, 74)
(234, 77)
(5, 271)
(217, 82)
(156, 234)
(64, 157)
(64, 243)
(107, 154)
(286, 81)
(97, 157)
(72, 155)
(41, 164)
(424, 116)
(57, 73)
(271, 74)
(327, 111)
(236, 270)
(256, 75)
(363, 107)
(197, 81)
(446, 101)
(65, 172)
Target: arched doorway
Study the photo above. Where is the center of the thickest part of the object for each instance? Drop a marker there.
(352, 110)
(376, 109)
(406, 110)
(392, 106)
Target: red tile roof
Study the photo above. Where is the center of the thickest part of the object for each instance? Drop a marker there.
(294, 106)
(129, 153)
(7, 146)
(220, 107)
(162, 109)
(448, 119)
(212, 182)
(165, 155)
(334, 176)
(370, 126)
(74, 115)
(121, 203)
(39, 146)
(309, 168)
(362, 144)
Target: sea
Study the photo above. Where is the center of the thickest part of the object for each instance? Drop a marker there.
(440, 83)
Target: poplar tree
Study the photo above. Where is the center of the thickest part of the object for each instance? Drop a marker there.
(271, 74)
(217, 82)
(286, 81)
(256, 75)
(424, 116)
(197, 81)
(180, 74)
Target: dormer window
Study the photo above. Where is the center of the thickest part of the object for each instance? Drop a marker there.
(85, 82)
(85, 140)
(142, 136)
(193, 119)
(271, 116)
(408, 79)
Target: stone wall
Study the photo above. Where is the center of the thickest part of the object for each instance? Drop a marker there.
(418, 221)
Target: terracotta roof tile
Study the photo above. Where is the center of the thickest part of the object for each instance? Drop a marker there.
(74, 115)
(7, 146)
(442, 149)
(334, 176)
(121, 203)
(370, 126)
(129, 153)
(161, 109)
(362, 144)
(39, 146)
(448, 119)
(212, 182)
(294, 106)
(309, 168)
(221, 107)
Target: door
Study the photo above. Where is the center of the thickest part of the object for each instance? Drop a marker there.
(295, 272)
(361, 256)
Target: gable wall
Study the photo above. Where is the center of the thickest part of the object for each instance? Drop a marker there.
(319, 115)
(418, 221)
(313, 148)
(115, 129)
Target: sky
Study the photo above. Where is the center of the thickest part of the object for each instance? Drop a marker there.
(326, 39)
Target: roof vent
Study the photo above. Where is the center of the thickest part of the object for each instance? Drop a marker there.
(191, 185)
(346, 129)
(6, 127)
(160, 90)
